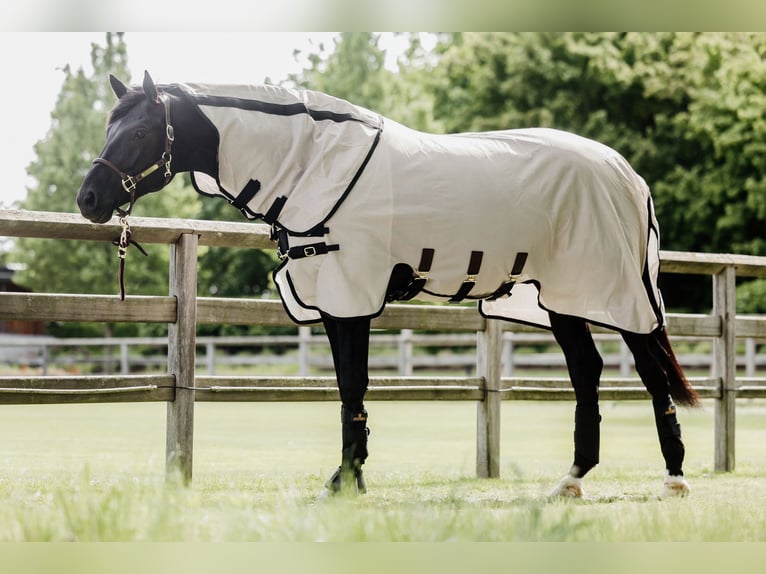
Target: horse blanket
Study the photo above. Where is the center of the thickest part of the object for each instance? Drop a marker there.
(527, 221)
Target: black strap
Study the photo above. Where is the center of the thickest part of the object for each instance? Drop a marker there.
(518, 264)
(420, 277)
(474, 265)
(426, 260)
(276, 208)
(316, 231)
(247, 194)
(507, 286)
(301, 251)
(282, 238)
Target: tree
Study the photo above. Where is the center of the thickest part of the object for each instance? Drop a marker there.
(355, 70)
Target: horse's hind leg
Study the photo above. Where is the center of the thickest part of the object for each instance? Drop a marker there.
(584, 364)
(653, 364)
(349, 341)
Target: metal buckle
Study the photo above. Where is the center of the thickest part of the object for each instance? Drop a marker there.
(309, 251)
(129, 184)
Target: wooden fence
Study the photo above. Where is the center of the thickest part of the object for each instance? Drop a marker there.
(182, 310)
(307, 352)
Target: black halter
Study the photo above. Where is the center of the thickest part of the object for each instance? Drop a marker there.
(129, 182)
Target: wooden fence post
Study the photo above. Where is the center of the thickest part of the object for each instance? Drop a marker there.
(750, 357)
(724, 366)
(508, 355)
(181, 356)
(210, 357)
(124, 359)
(405, 353)
(489, 350)
(304, 350)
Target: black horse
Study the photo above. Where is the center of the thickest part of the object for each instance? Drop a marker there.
(155, 132)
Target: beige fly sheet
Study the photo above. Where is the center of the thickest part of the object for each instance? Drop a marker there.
(525, 221)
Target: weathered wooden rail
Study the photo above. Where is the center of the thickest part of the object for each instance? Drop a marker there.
(182, 310)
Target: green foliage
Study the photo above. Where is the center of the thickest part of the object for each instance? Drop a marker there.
(354, 70)
(228, 271)
(751, 297)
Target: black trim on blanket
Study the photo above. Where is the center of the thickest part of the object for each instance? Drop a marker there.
(310, 307)
(276, 109)
(645, 274)
(250, 214)
(279, 109)
(224, 194)
(351, 184)
(519, 321)
(544, 308)
(286, 307)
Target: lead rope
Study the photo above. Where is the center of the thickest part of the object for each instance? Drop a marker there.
(122, 248)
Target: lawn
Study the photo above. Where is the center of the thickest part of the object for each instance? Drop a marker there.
(96, 473)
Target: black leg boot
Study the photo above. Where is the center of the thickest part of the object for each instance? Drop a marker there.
(587, 439)
(354, 452)
(669, 433)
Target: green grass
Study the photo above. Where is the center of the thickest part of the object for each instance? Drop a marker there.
(96, 473)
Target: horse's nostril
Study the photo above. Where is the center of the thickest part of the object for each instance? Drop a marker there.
(87, 200)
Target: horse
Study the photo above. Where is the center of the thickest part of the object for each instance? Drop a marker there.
(540, 226)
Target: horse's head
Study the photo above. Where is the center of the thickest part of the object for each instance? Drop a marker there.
(136, 157)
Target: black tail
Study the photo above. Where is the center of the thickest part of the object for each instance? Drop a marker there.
(680, 389)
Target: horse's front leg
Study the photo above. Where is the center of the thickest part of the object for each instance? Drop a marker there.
(349, 341)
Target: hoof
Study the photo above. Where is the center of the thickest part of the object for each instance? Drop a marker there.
(345, 481)
(568, 487)
(675, 487)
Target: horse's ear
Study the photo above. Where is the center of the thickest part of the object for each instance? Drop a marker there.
(149, 88)
(118, 87)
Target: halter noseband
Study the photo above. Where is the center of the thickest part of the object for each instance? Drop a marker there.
(129, 182)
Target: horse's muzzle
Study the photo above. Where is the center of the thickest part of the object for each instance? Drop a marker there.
(87, 201)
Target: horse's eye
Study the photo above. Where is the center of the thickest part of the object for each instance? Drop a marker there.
(140, 133)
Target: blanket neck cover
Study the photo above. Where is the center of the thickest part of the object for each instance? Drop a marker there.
(526, 220)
